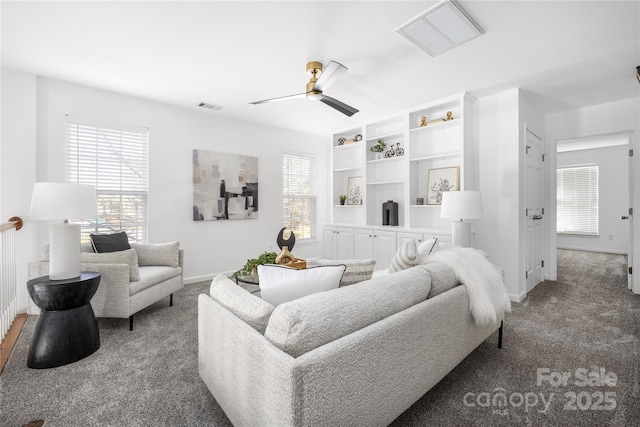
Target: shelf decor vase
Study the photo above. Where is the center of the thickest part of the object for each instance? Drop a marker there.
(390, 213)
(379, 156)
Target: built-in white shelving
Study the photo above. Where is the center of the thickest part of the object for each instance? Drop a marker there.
(445, 142)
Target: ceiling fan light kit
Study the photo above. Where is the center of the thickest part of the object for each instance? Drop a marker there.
(320, 80)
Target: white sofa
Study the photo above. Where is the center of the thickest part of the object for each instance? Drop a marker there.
(358, 355)
(130, 280)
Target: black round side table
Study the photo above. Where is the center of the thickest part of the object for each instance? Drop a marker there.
(67, 330)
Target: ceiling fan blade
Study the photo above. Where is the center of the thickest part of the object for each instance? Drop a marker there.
(282, 98)
(340, 106)
(332, 72)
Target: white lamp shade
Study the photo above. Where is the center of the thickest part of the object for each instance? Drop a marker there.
(461, 205)
(58, 200)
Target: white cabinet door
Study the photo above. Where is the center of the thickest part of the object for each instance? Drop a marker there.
(344, 243)
(329, 238)
(363, 248)
(337, 242)
(404, 237)
(384, 243)
(377, 244)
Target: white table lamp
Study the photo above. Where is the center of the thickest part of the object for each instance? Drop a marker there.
(63, 201)
(461, 205)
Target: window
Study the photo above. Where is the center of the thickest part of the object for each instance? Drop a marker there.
(114, 160)
(577, 200)
(299, 195)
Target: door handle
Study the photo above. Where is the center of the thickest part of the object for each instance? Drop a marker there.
(625, 217)
(537, 217)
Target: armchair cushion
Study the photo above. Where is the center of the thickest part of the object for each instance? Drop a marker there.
(113, 242)
(165, 254)
(152, 275)
(128, 257)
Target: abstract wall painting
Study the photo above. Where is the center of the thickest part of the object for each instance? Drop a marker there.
(225, 186)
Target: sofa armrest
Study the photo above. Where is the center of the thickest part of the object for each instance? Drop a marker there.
(111, 298)
(251, 379)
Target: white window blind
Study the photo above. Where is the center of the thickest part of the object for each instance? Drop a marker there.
(299, 195)
(114, 160)
(577, 200)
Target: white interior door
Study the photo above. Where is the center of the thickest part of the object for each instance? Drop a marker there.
(534, 211)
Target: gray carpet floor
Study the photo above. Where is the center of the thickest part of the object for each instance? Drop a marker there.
(586, 320)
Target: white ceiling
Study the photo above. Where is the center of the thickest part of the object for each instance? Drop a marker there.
(567, 54)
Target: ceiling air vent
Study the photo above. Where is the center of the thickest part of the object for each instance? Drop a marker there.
(443, 27)
(210, 106)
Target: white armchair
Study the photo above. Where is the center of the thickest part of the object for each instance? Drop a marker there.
(131, 280)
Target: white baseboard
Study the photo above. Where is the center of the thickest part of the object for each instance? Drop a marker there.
(517, 298)
(204, 278)
(606, 251)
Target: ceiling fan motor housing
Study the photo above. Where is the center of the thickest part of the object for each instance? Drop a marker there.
(314, 69)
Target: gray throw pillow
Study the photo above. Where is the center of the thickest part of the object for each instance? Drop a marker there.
(358, 270)
(406, 257)
(121, 257)
(157, 253)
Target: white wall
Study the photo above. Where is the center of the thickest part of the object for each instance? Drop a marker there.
(613, 185)
(501, 157)
(210, 246)
(613, 117)
(18, 165)
(498, 170)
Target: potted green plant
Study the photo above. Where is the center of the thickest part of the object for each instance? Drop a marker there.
(377, 148)
(251, 266)
(343, 199)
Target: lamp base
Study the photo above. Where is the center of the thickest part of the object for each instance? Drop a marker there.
(461, 234)
(64, 256)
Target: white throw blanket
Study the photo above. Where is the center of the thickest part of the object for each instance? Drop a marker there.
(488, 297)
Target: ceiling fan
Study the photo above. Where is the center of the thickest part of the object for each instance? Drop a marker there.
(320, 81)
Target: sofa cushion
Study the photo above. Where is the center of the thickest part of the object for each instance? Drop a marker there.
(128, 257)
(426, 248)
(249, 308)
(157, 253)
(113, 242)
(299, 326)
(279, 284)
(405, 257)
(358, 270)
(151, 276)
(442, 278)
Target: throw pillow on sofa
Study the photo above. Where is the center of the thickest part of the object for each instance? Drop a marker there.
(358, 270)
(113, 242)
(279, 284)
(128, 256)
(426, 248)
(406, 257)
(157, 253)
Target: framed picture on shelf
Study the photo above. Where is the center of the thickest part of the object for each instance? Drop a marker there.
(354, 190)
(440, 180)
